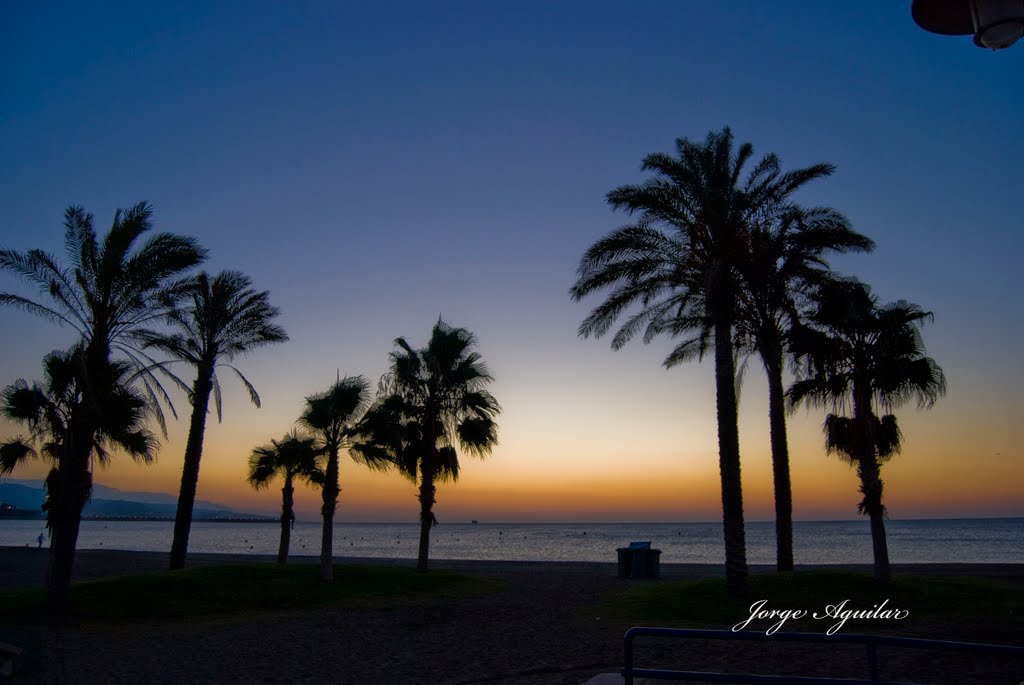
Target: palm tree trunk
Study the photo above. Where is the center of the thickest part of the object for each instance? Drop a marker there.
(68, 488)
(780, 462)
(871, 485)
(729, 456)
(869, 471)
(287, 503)
(70, 484)
(426, 497)
(190, 471)
(330, 495)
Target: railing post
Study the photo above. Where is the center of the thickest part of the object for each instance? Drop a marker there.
(627, 658)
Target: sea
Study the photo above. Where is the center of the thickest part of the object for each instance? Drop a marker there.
(815, 542)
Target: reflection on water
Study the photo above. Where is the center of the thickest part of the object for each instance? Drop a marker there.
(815, 542)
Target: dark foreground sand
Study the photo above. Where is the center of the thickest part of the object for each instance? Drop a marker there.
(539, 628)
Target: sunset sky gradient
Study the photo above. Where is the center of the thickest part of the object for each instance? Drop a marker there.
(376, 165)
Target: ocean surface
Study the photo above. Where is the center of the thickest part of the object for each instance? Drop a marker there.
(815, 542)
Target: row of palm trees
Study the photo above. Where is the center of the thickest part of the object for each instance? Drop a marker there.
(722, 257)
(129, 303)
(431, 401)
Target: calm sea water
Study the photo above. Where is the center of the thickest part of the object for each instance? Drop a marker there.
(815, 542)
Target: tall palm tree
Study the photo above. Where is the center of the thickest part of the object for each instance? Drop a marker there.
(294, 456)
(431, 400)
(332, 416)
(223, 317)
(681, 263)
(113, 288)
(786, 258)
(861, 356)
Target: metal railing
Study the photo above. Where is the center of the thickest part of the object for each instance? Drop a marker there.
(871, 643)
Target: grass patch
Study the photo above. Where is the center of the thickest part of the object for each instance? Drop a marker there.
(219, 591)
(706, 604)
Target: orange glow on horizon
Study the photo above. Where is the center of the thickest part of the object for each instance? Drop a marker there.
(662, 464)
(823, 488)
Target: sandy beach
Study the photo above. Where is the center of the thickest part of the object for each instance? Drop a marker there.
(539, 627)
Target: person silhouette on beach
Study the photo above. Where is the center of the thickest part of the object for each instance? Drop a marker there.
(41, 539)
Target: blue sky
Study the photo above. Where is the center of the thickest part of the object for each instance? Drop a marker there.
(375, 165)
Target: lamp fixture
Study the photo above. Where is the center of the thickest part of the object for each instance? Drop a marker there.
(995, 24)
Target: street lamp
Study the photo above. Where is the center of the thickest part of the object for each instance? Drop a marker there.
(996, 24)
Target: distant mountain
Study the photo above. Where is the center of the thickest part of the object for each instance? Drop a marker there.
(104, 492)
(29, 495)
(22, 496)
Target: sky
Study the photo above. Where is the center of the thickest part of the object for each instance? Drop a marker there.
(378, 165)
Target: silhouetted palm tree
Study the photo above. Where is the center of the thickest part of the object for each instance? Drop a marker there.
(680, 262)
(110, 291)
(431, 400)
(786, 259)
(49, 410)
(294, 456)
(224, 317)
(332, 416)
(46, 410)
(863, 357)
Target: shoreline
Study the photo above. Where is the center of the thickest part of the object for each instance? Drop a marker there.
(24, 567)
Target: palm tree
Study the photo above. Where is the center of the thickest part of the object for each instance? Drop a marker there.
(225, 317)
(112, 289)
(331, 416)
(785, 260)
(431, 400)
(292, 457)
(48, 411)
(681, 263)
(858, 355)
(51, 410)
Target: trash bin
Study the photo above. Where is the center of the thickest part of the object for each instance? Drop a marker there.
(639, 561)
(652, 563)
(624, 565)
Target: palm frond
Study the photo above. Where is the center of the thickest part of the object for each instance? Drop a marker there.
(254, 396)
(888, 437)
(842, 437)
(478, 436)
(39, 310)
(294, 454)
(14, 453)
(218, 400)
(262, 467)
(445, 464)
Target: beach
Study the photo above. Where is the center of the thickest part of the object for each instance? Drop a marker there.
(542, 624)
